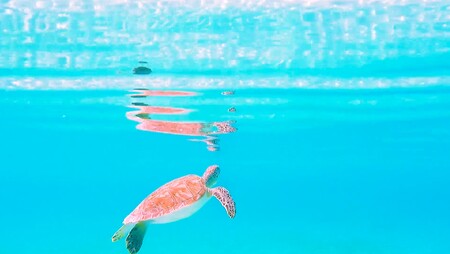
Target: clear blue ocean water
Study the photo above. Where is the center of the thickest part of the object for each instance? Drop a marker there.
(330, 121)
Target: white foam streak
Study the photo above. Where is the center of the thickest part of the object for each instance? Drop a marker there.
(226, 83)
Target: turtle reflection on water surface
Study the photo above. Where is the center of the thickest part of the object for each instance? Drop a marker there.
(142, 70)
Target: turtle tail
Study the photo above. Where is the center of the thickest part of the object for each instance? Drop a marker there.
(136, 237)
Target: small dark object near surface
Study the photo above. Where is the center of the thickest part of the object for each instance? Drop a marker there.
(141, 70)
(233, 109)
(228, 92)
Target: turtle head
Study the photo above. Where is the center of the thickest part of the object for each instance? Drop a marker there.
(211, 175)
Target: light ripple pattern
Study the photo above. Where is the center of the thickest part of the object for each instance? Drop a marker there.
(224, 37)
(227, 83)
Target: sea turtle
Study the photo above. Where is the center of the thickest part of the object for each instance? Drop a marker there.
(173, 201)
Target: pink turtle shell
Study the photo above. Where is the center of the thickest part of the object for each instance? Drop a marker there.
(172, 196)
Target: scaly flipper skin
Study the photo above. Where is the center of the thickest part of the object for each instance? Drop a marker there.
(223, 195)
(135, 237)
(211, 175)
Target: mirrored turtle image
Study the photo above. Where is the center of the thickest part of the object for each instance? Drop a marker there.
(142, 70)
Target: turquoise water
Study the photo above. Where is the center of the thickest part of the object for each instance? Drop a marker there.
(343, 152)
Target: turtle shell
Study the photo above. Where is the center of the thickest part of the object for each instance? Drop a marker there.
(168, 198)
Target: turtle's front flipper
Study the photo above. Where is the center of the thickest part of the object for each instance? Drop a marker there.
(135, 237)
(223, 195)
(211, 174)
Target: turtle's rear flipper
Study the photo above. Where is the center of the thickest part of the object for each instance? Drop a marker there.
(122, 232)
(135, 237)
(223, 195)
